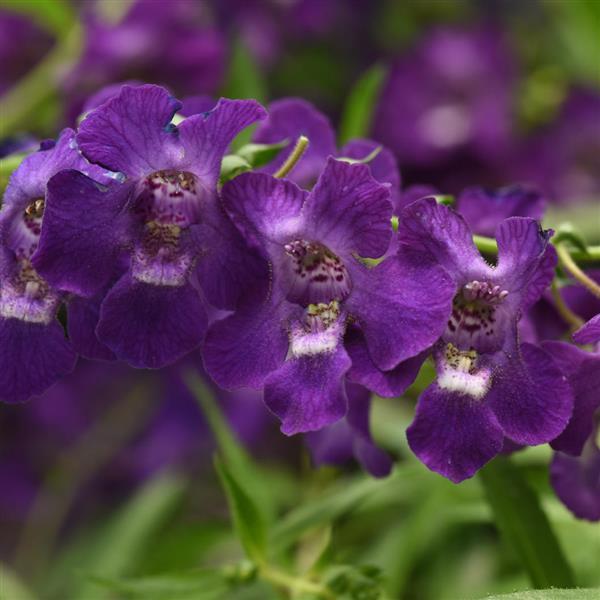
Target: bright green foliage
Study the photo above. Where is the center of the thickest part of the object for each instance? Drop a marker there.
(524, 524)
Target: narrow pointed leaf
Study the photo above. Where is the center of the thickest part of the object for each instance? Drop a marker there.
(248, 521)
(524, 525)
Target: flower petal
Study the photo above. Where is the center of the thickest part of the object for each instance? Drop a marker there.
(530, 397)
(576, 481)
(383, 167)
(242, 349)
(227, 267)
(307, 392)
(452, 434)
(131, 133)
(151, 326)
(402, 306)
(388, 384)
(264, 209)
(589, 333)
(206, 137)
(33, 356)
(349, 211)
(82, 319)
(442, 234)
(84, 229)
(526, 261)
(582, 369)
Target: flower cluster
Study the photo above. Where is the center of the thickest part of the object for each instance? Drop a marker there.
(296, 286)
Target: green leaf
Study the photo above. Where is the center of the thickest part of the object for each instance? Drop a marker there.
(362, 161)
(358, 111)
(246, 472)
(56, 16)
(259, 155)
(344, 498)
(233, 165)
(247, 519)
(567, 232)
(122, 543)
(201, 584)
(11, 588)
(8, 165)
(244, 79)
(524, 524)
(248, 157)
(551, 594)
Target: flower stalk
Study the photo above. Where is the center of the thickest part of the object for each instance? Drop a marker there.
(292, 160)
(568, 262)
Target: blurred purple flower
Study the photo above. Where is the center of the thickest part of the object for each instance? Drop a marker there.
(170, 43)
(452, 93)
(22, 45)
(484, 210)
(563, 159)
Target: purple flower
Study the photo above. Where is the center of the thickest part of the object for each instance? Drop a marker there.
(350, 438)
(563, 157)
(291, 339)
(22, 45)
(168, 43)
(289, 118)
(451, 94)
(33, 350)
(484, 210)
(488, 386)
(576, 480)
(159, 238)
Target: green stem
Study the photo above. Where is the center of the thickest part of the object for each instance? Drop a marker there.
(488, 245)
(567, 261)
(299, 149)
(40, 83)
(574, 320)
(294, 584)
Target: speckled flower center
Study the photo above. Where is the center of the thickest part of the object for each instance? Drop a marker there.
(159, 259)
(23, 233)
(459, 372)
(26, 296)
(319, 333)
(314, 274)
(170, 197)
(474, 320)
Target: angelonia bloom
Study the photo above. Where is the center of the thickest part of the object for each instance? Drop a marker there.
(488, 386)
(451, 94)
(33, 350)
(154, 246)
(292, 338)
(296, 287)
